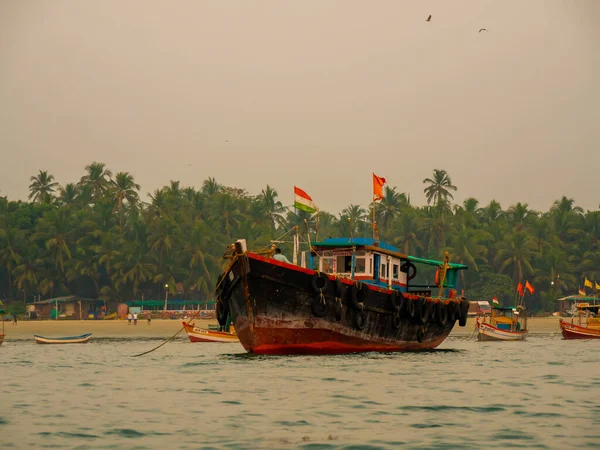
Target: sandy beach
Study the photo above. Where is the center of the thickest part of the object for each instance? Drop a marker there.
(100, 328)
(166, 328)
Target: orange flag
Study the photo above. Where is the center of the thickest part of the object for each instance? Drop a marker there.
(378, 183)
(520, 289)
(529, 287)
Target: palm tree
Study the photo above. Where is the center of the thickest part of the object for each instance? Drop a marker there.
(124, 189)
(515, 254)
(26, 272)
(271, 207)
(56, 229)
(439, 187)
(210, 186)
(520, 215)
(97, 179)
(68, 194)
(42, 188)
(391, 205)
(356, 215)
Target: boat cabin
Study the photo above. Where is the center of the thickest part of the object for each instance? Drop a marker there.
(509, 318)
(588, 315)
(380, 264)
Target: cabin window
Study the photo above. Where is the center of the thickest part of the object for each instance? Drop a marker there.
(383, 273)
(360, 266)
(395, 271)
(327, 265)
(344, 264)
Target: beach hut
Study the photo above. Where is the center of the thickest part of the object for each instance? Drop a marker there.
(69, 307)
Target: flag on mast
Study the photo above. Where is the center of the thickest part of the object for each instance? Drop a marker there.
(588, 283)
(378, 183)
(597, 286)
(520, 289)
(495, 300)
(582, 292)
(529, 287)
(303, 201)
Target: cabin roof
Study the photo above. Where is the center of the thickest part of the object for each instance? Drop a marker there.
(577, 298)
(67, 299)
(505, 308)
(374, 245)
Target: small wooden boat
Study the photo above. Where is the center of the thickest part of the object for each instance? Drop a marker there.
(587, 327)
(203, 335)
(506, 323)
(63, 340)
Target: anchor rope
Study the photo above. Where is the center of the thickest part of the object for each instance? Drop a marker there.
(234, 257)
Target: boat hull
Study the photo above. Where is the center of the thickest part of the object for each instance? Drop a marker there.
(272, 306)
(64, 340)
(196, 334)
(572, 331)
(2, 338)
(487, 332)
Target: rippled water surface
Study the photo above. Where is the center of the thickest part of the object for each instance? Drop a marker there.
(543, 393)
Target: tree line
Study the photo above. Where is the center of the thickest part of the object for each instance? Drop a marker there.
(97, 238)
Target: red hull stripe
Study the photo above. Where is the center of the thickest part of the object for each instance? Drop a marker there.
(571, 331)
(343, 280)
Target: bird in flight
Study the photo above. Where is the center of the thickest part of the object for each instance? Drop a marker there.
(483, 29)
(428, 19)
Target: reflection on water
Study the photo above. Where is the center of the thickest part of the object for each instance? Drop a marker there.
(542, 393)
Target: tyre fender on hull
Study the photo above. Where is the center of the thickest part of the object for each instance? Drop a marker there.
(441, 313)
(223, 301)
(319, 306)
(319, 282)
(357, 295)
(464, 309)
(360, 319)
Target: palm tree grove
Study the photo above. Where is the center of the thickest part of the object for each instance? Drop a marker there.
(99, 239)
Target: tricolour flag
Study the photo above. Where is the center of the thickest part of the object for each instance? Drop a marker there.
(529, 287)
(582, 292)
(378, 183)
(495, 300)
(303, 201)
(588, 283)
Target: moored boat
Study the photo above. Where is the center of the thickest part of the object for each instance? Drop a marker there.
(203, 335)
(587, 327)
(365, 296)
(82, 339)
(505, 323)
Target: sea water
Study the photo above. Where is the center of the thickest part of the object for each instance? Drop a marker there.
(542, 393)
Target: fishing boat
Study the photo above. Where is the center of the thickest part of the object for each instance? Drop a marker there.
(505, 323)
(362, 295)
(82, 339)
(203, 335)
(587, 326)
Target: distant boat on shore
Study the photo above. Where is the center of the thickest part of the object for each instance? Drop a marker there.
(506, 323)
(203, 335)
(82, 339)
(587, 327)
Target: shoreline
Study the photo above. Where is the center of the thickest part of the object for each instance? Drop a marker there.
(163, 329)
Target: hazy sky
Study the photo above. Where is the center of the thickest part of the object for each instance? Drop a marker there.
(313, 93)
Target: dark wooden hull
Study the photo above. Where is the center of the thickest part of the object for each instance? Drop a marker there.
(276, 309)
(572, 331)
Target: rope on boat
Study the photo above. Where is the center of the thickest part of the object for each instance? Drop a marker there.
(265, 250)
(193, 317)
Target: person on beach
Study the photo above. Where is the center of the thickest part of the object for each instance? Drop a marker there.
(135, 318)
(129, 317)
(149, 317)
(280, 257)
(14, 318)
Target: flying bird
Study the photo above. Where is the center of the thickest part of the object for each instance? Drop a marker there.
(483, 29)
(429, 18)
